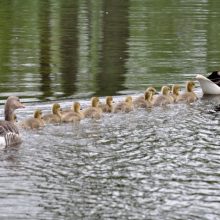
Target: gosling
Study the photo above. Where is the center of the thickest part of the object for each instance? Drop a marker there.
(144, 102)
(175, 93)
(124, 106)
(164, 98)
(75, 115)
(107, 107)
(94, 111)
(189, 95)
(55, 116)
(33, 122)
(141, 99)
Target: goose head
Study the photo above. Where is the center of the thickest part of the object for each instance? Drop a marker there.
(12, 103)
(175, 89)
(165, 90)
(95, 101)
(189, 86)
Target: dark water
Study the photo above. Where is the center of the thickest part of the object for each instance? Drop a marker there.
(158, 164)
(66, 49)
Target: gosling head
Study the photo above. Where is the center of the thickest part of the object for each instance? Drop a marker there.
(77, 107)
(148, 95)
(151, 89)
(189, 86)
(38, 114)
(95, 101)
(176, 89)
(165, 90)
(128, 99)
(56, 108)
(109, 100)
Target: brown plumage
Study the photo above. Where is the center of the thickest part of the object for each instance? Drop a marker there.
(124, 106)
(55, 116)
(142, 97)
(175, 92)
(75, 115)
(188, 96)
(9, 133)
(94, 111)
(144, 102)
(107, 107)
(34, 122)
(164, 98)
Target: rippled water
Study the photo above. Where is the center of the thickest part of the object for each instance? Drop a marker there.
(72, 49)
(156, 164)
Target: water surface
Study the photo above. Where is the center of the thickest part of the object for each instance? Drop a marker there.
(73, 49)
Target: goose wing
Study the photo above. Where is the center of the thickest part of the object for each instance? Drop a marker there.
(6, 127)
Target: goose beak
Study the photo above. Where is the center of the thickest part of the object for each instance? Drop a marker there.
(20, 105)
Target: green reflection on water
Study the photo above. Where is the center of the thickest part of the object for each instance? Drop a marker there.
(65, 49)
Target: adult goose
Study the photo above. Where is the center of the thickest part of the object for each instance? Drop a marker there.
(9, 133)
(210, 85)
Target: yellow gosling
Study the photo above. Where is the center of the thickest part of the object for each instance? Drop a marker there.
(175, 92)
(188, 96)
(142, 98)
(94, 111)
(107, 107)
(124, 106)
(34, 122)
(55, 116)
(75, 115)
(163, 98)
(144, 102)
(153, 90)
